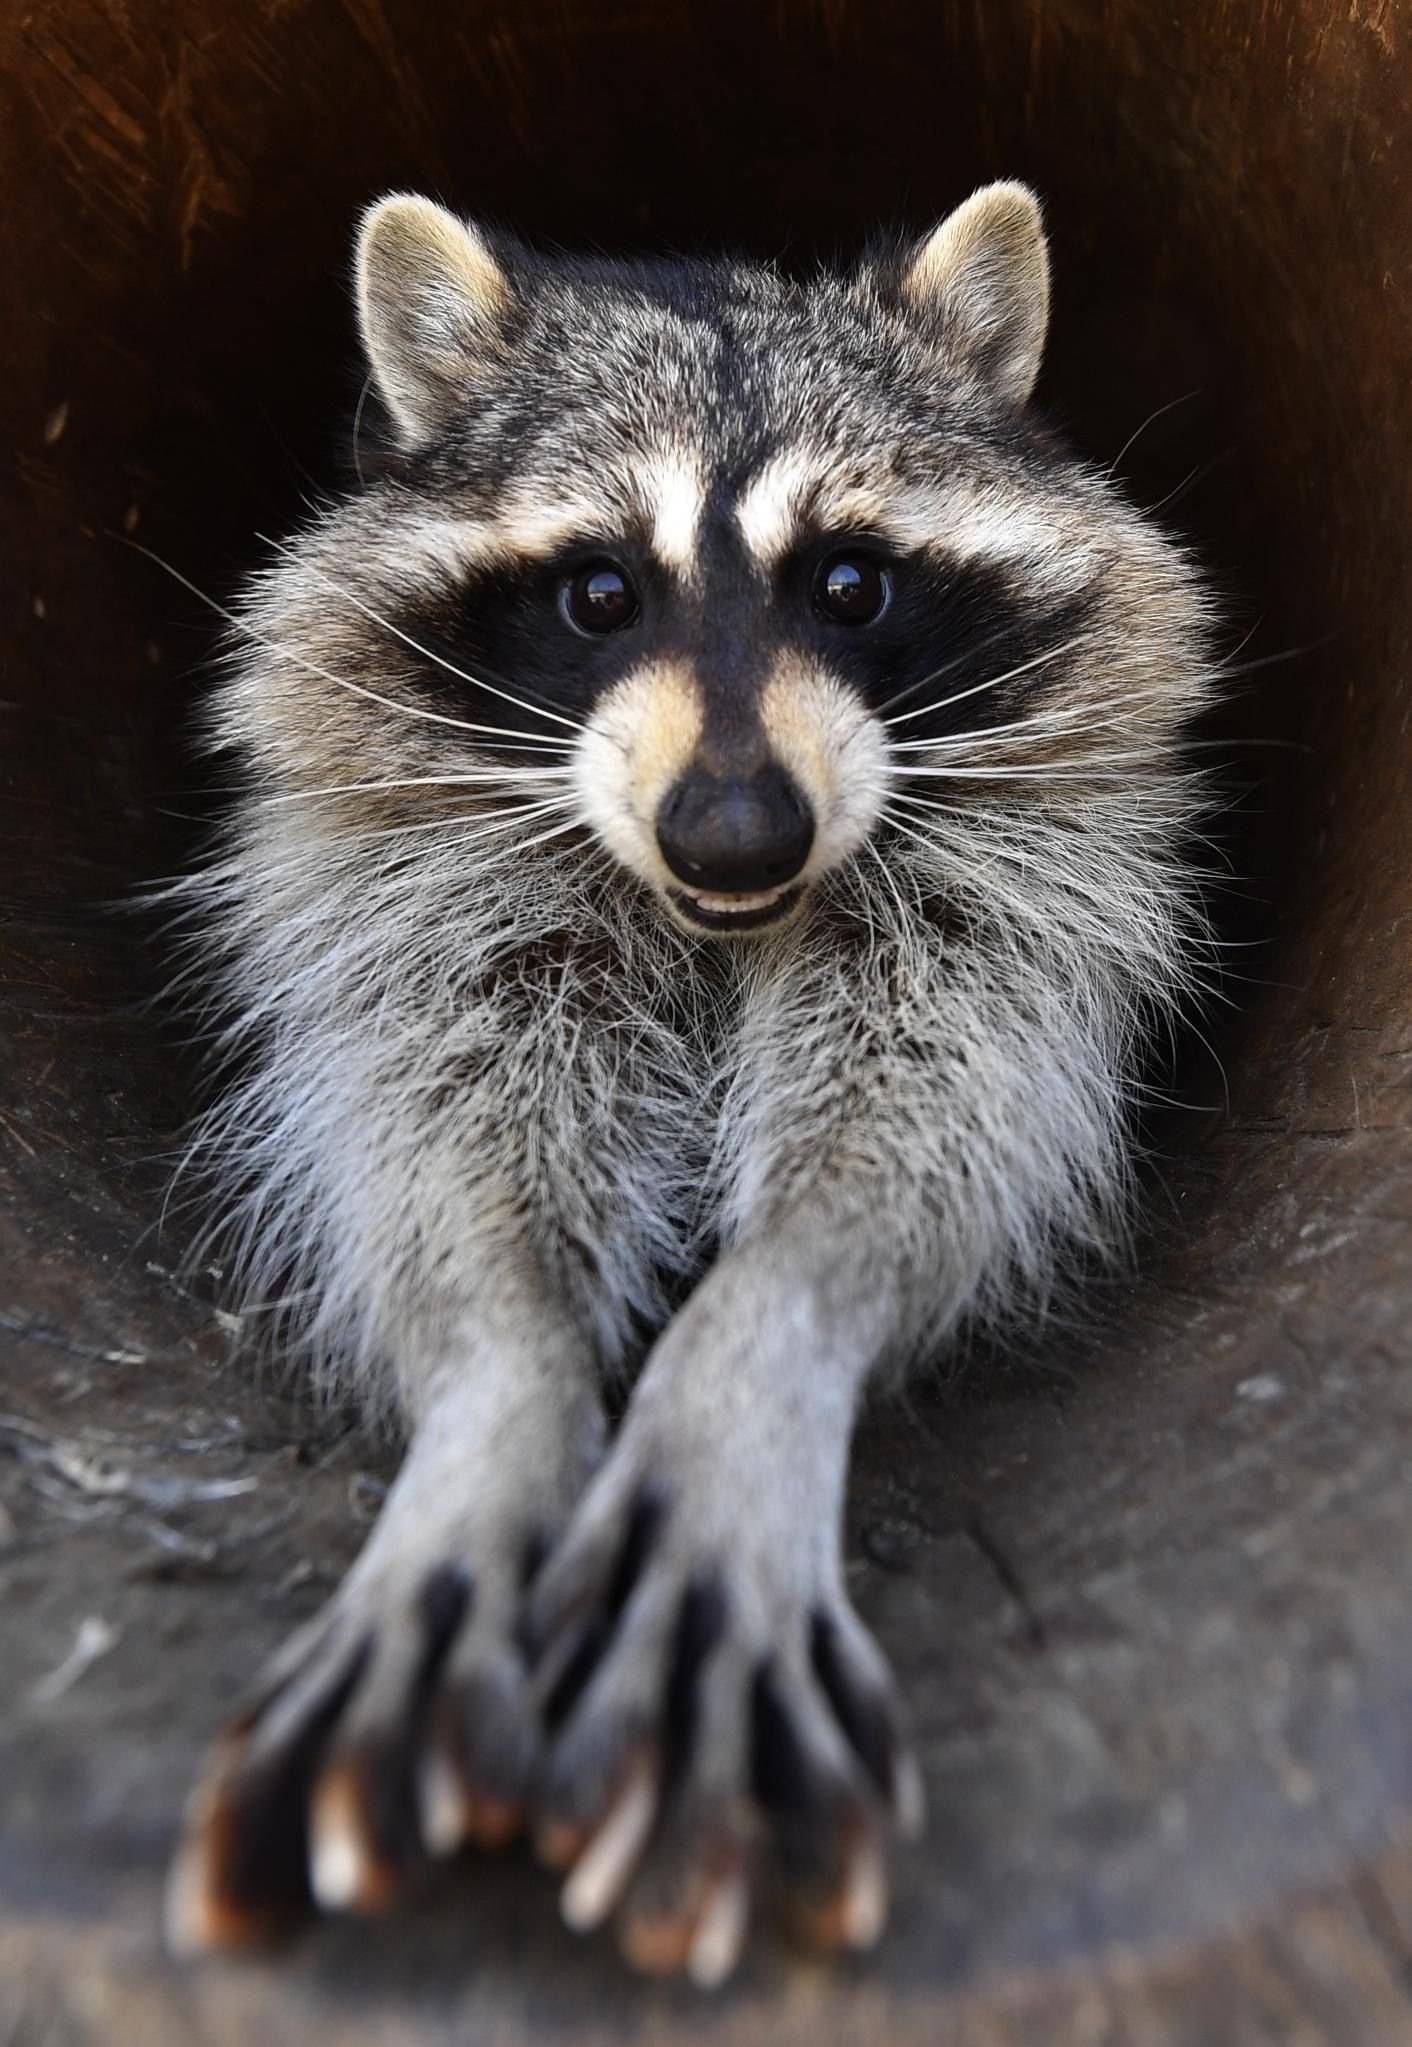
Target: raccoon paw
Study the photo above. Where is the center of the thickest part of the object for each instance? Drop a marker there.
(719, 1731)
(397, 1725)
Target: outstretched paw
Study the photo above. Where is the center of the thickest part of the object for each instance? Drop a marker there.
(721, 1729)
(396, 1725)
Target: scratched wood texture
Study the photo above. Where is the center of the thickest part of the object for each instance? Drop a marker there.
(1150, 1590)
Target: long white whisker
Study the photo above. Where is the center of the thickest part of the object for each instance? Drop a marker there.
(1151, 420)
(1020, 847)
(1031, 912)
(357, 429)
(557, 831)
(490, 778)
(1243, 642)
(1090, 905)
(490, 823)
(1019, 774)
(910, 689)
(496, 822)
(994, 682)
(928, 807)
(1229, 669)
(461, 674)
(1024, 839)
(1179, 490)
(357, 689)
(1021, 824)
(1039, 725)
(1220, 745)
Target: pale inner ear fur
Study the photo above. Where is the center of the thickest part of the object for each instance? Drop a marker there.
(431, 305)
(983, 275)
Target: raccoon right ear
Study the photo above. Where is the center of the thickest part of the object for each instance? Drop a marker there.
(432, 306)
(980, 284)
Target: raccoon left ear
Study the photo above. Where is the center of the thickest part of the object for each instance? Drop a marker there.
(433, 303)
(983, 278)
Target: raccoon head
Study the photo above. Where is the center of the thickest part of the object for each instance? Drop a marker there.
(742, 546)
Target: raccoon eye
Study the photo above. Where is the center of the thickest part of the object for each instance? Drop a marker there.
(600, 599)
(851, 590)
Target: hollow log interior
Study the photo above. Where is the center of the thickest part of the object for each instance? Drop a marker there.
(1150, 1598)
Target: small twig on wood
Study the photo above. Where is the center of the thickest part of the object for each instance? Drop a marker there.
(97, 1476)
(95, 1638)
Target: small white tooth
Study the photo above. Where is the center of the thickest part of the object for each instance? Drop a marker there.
(716, 1944)
(441, 1803)
(723, 905)
(865, 1902)
(605, 1865)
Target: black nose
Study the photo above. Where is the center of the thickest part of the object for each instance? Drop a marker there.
(735, 834)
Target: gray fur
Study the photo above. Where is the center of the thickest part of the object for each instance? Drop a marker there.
(497, 1112)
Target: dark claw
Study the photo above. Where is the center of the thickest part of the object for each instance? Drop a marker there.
(864, 1716)
(242, 1875)
(701, 1622)
(829, 1885)
(374, 1786)
(823, 1844)
(445, 1603)
(487, 1739)
(593, 1630)
(533, 1556)
(657, 1930)
(780, 1777)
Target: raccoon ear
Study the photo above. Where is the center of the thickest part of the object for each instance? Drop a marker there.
(432, 305)
(982, 278)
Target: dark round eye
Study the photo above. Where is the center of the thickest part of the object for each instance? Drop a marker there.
(600, 598)
(850, 589)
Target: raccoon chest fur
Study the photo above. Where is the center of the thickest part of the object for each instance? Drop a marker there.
(710, 737)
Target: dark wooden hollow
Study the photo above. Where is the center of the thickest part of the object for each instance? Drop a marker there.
(1152, 1611)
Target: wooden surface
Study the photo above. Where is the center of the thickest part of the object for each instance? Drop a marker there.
(1150, 1597)
(1151, 1617)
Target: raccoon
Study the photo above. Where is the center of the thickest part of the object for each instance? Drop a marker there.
(709, 858)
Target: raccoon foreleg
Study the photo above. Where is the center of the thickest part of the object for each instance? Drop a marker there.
(397, 1721)
(707, 1682)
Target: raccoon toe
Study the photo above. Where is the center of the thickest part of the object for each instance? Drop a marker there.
(479, 1753)
(365, 1823)
(688, 1907)
(713, 1742)
(642, 1794)
(825, 1870)
(240, 1875)
(384, 1733)
(852, 1674)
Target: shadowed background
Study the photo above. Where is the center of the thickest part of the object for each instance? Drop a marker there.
(1151, 1603)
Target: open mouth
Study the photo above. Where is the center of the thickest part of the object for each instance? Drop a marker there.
(719, 912)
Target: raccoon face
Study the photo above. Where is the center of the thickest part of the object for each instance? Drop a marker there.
(737, 547)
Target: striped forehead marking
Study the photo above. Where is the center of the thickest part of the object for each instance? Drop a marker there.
(792, 487)
(770, 505)
(672, 491)
(964, 519)
(667, 492)
(534, 528)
